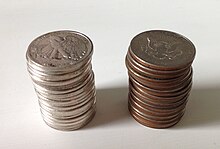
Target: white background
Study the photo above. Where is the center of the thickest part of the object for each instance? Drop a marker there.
(111, 24)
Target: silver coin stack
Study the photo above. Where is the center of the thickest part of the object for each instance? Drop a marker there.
(59, 64)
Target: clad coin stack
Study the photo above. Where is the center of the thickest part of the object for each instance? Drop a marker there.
(160, 77)
(59, 64)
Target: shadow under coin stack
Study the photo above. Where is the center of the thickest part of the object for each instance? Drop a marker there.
(59, 64)
(160, 77)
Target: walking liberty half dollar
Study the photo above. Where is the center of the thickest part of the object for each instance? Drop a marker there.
(59, 64)
(160, 77)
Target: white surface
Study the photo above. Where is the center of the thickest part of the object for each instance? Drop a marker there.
(111, 25)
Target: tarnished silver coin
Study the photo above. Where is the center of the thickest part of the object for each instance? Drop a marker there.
(59, 64)
(59, 50)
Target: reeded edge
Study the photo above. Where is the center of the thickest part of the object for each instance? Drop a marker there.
(76, 127)
(157, 119)
(143, 122)
(148, 71)
(156, 86)
(176, 91)
(156, 104)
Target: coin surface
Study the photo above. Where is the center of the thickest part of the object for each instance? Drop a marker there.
(162, 49)
(59, 49)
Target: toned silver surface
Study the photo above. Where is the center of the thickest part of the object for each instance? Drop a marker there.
(59, 64)
(163, 49)
(59, 49)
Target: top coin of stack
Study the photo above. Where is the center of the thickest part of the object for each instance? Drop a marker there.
(160, 77)
(59, 64)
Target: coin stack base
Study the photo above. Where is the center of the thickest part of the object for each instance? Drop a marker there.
(160, 77)
(59, 64)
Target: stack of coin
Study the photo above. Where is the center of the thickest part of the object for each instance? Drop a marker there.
(59, 64)
(160, 77)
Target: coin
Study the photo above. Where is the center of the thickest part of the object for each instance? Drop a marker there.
(163, 50)
(59, 64)
(160, 77)
(150, 72)
(60, 50)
